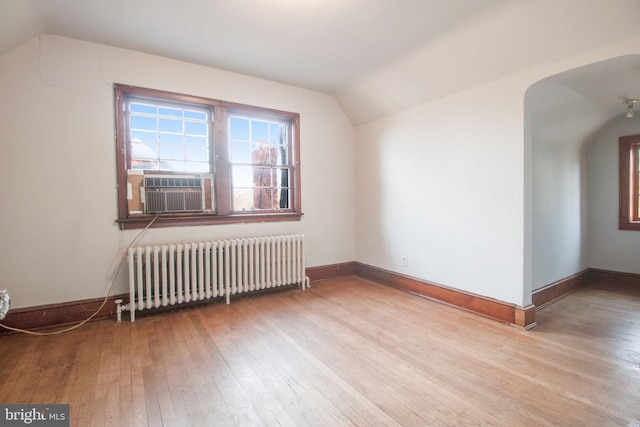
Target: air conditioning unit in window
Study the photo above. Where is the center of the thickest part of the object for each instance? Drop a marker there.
(175, 193)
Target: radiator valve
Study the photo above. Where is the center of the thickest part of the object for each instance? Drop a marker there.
(119, 309)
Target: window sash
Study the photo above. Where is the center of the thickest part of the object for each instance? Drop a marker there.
(259, 158)
(168, 150)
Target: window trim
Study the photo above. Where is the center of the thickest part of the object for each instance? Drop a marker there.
(629, 209)
(222, 182)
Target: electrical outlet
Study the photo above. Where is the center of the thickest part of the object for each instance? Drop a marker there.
(405, 261)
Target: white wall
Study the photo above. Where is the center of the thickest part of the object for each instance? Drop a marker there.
(58, 239)
(609, 248)
(442, 185)
(559, 239)
(560, 214)
(450, 185)
(559, 227)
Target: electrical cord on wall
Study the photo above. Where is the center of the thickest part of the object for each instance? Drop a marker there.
(106, 298)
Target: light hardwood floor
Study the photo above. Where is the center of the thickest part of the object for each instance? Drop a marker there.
(345, 352)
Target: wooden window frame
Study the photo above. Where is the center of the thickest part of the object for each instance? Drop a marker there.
(629, 209)
(220, 163)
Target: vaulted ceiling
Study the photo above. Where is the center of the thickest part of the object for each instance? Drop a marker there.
(376, 57)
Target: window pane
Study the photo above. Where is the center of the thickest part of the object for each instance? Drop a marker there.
(239, 128)
(265, 198)
(199, 141)
(143, 136)
(240, 152)
(283, 198)
(169, 125)
(242, 176)
(242, 199)
(171, 152)
(171, 138)
(278, 133)
(143, 123)
(197, 153)
(282, 183)
(164, 111)
(273, 133)
(263, 154)
(262, 177)
(282, 155)
(198, 115)
(282, 177)
(143, 108)
(144, 150)
(145, 164)
(259, 131)
(195, 128)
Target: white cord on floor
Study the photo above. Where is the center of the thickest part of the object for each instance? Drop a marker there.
(106, 298)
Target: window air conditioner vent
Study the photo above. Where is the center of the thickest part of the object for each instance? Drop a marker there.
(172, 182)
(173, 194)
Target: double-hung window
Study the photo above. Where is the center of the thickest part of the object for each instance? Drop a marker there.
(259, 161)
(629, 199)
(186, 160)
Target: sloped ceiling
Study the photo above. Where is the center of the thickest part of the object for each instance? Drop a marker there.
(573, 105)
(376, 57)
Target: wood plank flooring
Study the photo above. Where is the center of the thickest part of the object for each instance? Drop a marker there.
(347, 352)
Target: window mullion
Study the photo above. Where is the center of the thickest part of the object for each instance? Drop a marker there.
(122, 152)
(221, 160)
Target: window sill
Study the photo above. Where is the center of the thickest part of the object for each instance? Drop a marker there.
(186, 220)
(629, 225)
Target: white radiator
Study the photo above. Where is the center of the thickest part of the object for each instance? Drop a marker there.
(163, 275)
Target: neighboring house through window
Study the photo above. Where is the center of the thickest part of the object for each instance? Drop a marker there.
(629, 172)
(190, 160)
